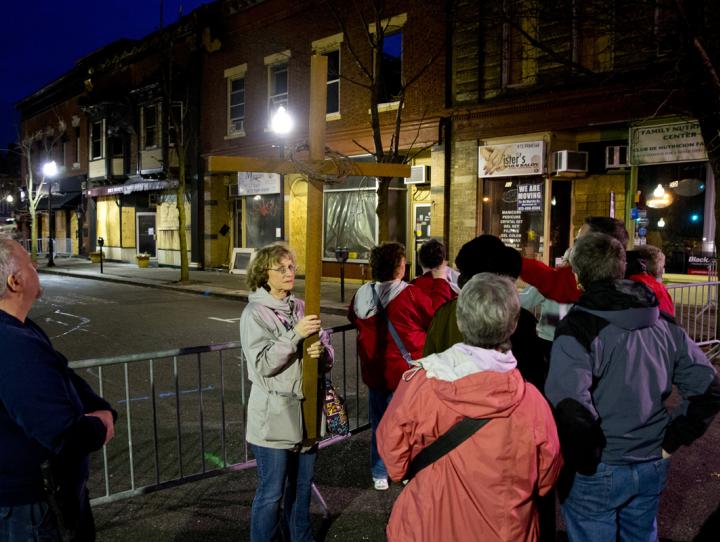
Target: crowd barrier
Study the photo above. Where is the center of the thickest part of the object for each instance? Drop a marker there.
(696, 311)
(182, 415)
(62, 246)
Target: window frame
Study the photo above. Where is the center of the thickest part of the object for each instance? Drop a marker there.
(273, 63)
(325, 47)
(235, 73)
(100, 124)
(157, 134)
(392, 26)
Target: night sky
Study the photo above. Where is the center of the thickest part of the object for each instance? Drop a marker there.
(40, 40)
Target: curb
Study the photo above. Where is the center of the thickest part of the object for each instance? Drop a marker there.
(327, 308)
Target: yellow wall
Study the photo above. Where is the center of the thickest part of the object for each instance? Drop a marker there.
(59, 218)
(218, 212)
(108, 221)
(591, 196)
(128, 227)
(73, 232)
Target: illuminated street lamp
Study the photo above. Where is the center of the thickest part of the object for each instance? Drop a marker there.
(281, 122)
(9, 198)
(50, 169)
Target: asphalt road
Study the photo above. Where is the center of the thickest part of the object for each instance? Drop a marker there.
(90, 319)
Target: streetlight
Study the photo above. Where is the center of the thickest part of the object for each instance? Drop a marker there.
(9, 198)
(50, 169)
(281, 122)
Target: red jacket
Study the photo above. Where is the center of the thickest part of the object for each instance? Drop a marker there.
(484, 489)
(411, 312)
(427, 284)
(559, 284)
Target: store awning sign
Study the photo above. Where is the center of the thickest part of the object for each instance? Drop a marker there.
(530, 197)
(661, 143)
(511, 159)
(252, 183)
(129, 188)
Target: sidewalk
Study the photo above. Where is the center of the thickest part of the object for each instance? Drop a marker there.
(214, 283)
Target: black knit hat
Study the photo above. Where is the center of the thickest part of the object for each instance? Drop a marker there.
(487, 254)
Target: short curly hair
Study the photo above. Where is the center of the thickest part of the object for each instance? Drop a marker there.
(262, 260)
(432, 253)
(385, 259)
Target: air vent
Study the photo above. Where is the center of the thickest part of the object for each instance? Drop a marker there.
(418, 175)
(570, 162)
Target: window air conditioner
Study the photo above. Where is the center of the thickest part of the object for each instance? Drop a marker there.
(418, 175)
(616, 156)
(570, 162)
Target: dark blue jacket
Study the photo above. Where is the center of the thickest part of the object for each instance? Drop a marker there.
(614, 362)
(42, 407)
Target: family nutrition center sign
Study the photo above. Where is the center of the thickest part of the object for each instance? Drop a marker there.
(676, 142)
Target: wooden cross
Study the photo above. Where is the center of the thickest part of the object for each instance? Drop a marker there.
(313, 265)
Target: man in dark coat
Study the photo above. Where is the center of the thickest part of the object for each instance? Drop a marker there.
(50, 420)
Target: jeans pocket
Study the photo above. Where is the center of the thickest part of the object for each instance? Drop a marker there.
(662, 468)
(592, 492)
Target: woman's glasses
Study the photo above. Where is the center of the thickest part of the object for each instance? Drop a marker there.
(283, 270)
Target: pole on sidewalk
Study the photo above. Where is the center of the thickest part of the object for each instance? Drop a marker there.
(101, 242)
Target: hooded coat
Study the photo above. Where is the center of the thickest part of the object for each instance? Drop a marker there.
(484, 489)
(274, 366)
(614, 362)
(410, 310)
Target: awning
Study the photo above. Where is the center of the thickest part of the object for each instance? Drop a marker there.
(130, 187)
(60, 201)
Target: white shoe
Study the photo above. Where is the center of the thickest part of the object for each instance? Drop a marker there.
(381, 484)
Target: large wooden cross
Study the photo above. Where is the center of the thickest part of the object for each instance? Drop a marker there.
(313, 265)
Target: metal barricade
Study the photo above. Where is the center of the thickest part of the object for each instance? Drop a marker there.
(183, 414)
(696, 311)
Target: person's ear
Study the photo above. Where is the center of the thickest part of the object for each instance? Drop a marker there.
(13, 284)
(577, 279)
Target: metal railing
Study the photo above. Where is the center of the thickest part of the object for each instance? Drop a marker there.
(62, 246)
(183, 414)
(696, 311)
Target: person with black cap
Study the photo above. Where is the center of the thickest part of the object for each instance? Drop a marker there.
(488, 254)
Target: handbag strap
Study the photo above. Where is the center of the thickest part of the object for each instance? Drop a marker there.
(398, 341)
(447, 442)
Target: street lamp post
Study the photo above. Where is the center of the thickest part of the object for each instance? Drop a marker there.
(49, 169)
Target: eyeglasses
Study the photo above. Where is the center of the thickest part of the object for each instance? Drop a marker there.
(284, 270)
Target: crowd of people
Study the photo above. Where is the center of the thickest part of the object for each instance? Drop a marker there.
(485, 414)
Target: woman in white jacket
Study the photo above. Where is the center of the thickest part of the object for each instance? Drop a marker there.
(272, 328)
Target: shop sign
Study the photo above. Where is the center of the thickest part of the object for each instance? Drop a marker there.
(699, 265)
(511, 159)
(676, 142)
(252, 183)
(511, 222)
(530, 197)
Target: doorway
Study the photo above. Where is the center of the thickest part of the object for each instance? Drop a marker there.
(146, 234)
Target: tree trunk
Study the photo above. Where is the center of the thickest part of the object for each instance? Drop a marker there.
(33, 231)
(383, 209)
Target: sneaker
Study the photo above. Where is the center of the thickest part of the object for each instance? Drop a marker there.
(381, 484)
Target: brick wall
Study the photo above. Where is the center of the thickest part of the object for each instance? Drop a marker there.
(463, 195)
(592, 197)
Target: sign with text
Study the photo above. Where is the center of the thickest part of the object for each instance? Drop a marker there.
(251, 183)
(676, 142)
(511, 223)
(511, 159)
(530, 197)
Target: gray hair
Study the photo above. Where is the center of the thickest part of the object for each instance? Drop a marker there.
(488, 308)
(654, 259)
(597, 257)
(8, 263)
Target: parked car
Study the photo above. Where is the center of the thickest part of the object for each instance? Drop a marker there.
(8, 226)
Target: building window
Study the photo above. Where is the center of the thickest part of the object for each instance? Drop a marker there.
(63, 151)
(77, 148)
(235, 78)
(333, 82)
(278, 86)
(350, 219)
(150, 126)
(236, 106)
(96, 140)
(391, 68)
(519, 56)
(175, 123)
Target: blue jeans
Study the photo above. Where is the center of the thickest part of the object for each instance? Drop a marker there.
(27, 523)
(282, 472)
(617, 501)
(379, 401)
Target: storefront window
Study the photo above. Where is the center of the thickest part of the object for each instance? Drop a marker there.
(513, 211)
(350, 220)
(681, 228)
(264, 220)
